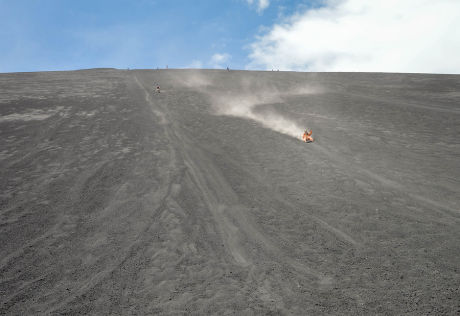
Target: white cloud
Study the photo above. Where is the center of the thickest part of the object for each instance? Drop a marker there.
(362, 35)
(261, 4)
(219, 60)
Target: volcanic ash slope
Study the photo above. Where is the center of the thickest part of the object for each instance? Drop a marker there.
(202, 199)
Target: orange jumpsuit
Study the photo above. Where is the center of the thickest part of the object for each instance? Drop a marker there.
(306, 137)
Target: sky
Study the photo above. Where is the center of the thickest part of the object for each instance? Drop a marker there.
(303, 35)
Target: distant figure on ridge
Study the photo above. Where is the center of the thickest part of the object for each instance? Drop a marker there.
(158, 89)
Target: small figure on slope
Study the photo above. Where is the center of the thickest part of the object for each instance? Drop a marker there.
(306, 137)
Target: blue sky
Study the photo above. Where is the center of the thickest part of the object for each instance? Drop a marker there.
(302, 35)
(66, 34)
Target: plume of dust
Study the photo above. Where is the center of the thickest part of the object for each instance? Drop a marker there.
(246, 95)
(193, 79)
(244, 106)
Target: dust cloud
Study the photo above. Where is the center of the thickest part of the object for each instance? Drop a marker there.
(193, 80)
(249, 99)
(250, 106)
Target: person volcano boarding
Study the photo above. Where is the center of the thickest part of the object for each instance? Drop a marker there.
(306, 137)
(158, 89)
